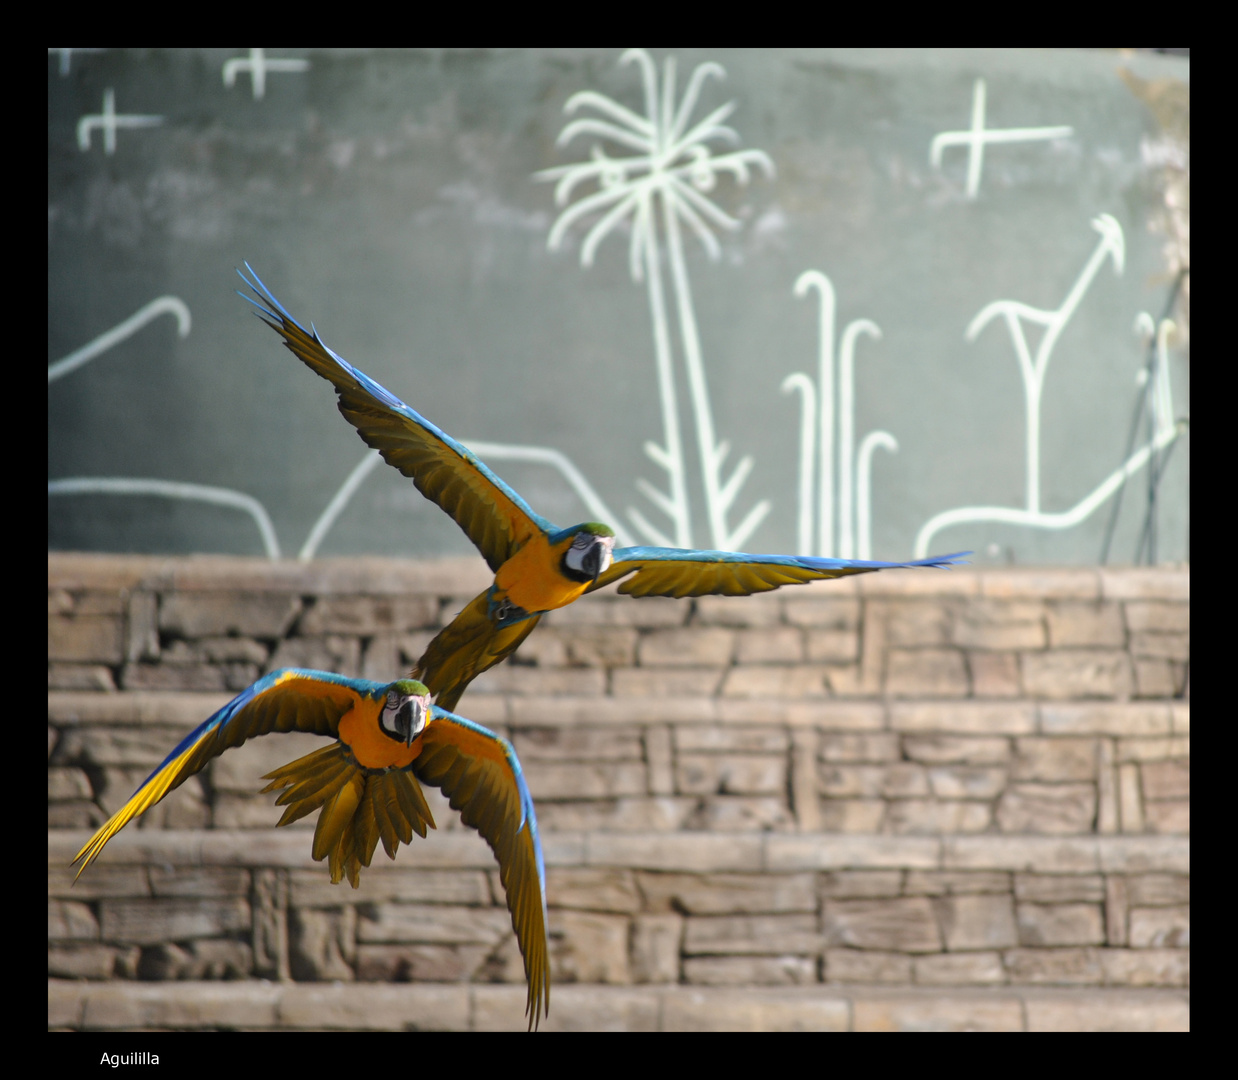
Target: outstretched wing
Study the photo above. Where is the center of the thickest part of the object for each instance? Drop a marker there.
(294, 699)
(465, 648)
(491, 514)
(677, 572)
(478, 771)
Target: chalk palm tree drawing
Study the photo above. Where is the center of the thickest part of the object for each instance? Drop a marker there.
(1112, 246)
(817, 416)
(670, 169)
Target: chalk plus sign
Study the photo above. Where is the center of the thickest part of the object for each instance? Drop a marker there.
(109, 121)
(66, 55)
(978, 136)
(258, 66)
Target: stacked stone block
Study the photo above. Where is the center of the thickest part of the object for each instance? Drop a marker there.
(972, 782)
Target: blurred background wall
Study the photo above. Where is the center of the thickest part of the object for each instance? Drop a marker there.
(816, 268)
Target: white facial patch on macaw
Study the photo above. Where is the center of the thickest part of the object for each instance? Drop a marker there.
(590, 554)
(404, 718)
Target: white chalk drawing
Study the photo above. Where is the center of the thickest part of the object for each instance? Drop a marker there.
(167, 489)
(817, 426)
(669, 170)
(541, 455)
(1163, 427)
(163, 305)
(336, 506)
(1111, 246)
(257, 65)
(109, 121)
(66, 56)
(977, 136)
(1159, 397)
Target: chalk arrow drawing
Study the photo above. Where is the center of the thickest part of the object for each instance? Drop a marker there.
(1015, 314)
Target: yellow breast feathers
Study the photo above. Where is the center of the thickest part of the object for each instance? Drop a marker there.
(533, 579)
(371, 748)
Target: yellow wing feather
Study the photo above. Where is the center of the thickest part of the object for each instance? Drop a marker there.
(465, 648)
(283, 701)
(478, 772)
(492, 515)
(684, 577)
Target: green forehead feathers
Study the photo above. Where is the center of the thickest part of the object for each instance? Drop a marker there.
(410, 687)
(596, 528)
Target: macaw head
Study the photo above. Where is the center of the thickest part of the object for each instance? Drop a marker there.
(408, 708)
(590, 551)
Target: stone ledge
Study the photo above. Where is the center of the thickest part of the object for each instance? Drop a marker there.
(81, 708)
(362, 574)
(258, 847)
(1146, 583)
(685, 851)
(70, 708)
(462, 1007)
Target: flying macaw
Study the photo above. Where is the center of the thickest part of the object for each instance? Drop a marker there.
(387, 737)
(537, 566)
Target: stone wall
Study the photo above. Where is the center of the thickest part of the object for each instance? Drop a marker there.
(908, 799)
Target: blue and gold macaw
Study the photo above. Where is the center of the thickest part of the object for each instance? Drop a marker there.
(386, 739)
(537, 566)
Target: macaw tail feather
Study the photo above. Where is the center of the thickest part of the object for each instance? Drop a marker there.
(399, 802)
(359, 807)
(468, 646)
(307, 783)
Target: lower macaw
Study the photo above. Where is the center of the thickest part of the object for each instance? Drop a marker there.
(386, 738)
(537, 566)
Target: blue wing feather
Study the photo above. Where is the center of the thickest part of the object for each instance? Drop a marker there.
(363, 687)
(472, 506)
(476, 769)
(526, 798)
(659, 571)
(810, 562)
(292, 699)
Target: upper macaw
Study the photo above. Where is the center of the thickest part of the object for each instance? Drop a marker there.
(537, 566)
(387, 737)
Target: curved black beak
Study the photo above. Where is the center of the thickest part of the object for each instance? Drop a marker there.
(409, 720)
(592, 562)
